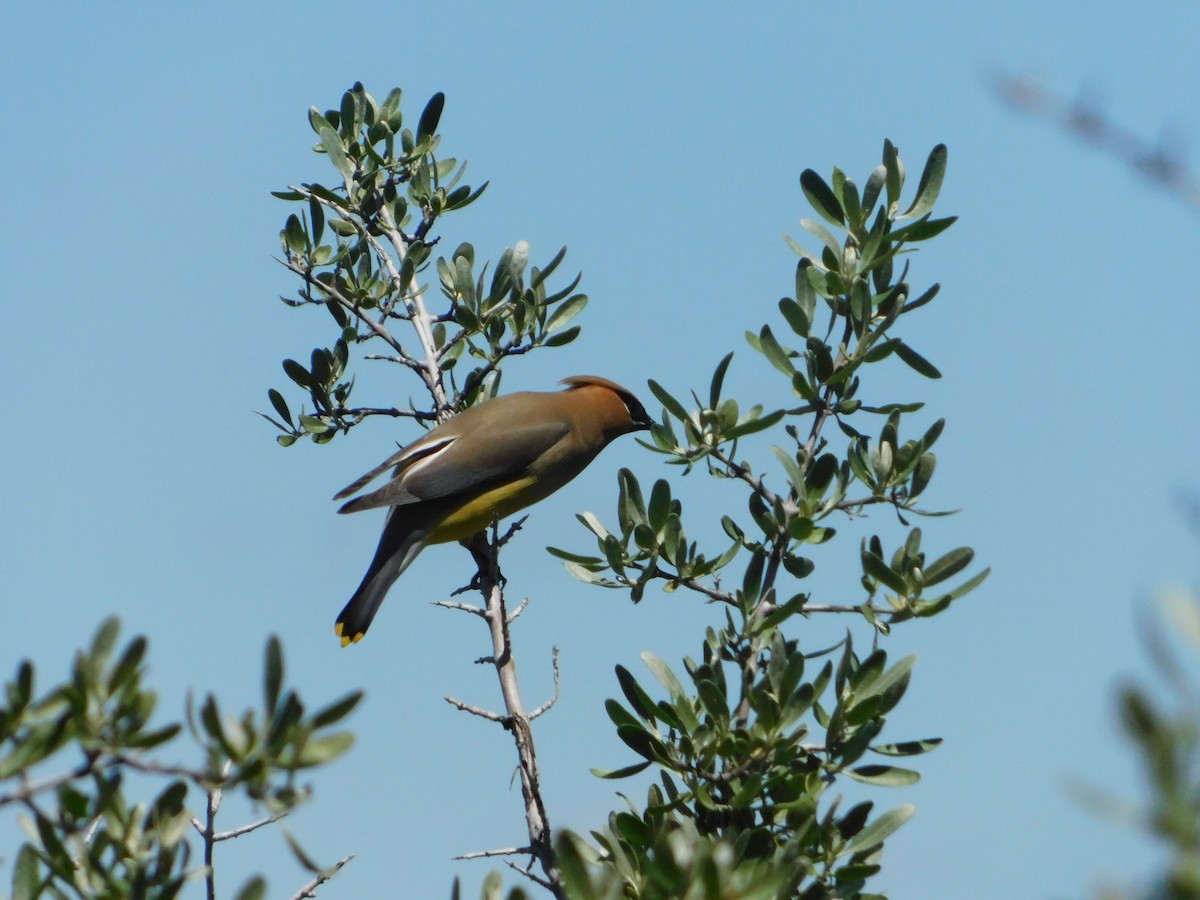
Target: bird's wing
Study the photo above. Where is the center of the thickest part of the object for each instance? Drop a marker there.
(404, 457)
(461, 465)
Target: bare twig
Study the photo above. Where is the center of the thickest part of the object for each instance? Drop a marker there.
(536, 879)
(28, 790)
(1082, 117)
(476, 710)
(377, 327)
(214, 804)
(463, 607)
(310, 890)
(505, 851)
(521, 607)
(740, 472)
(246, 829)
(545, 707)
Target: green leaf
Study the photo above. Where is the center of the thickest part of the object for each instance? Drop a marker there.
(825, 236)
(880, 829)
(908, 748)
(884, 776)
(851, 202)
(566, 311)
(923, 299)
(332, 143)
(921, 230)
(753, 425)
(821, 197)
(663, 673)
(922, 474)
(673, 406)
(280, 405)
(659, 509)
(967, 586)
(948, 566)
(887, 683)
(316, 216)
(718, 380)
(796, 318)
(637, 697)
(314, 425)
(930, 184)
(562, 338)
(272, 673)
(873, 186)
(879, 570)
(430, 116)
(775, 354)
(752, 578)
(643, 743)
(297, 373)
(621, 773)
(916, 361)
(895, 173)
(127, 667)
(293, 234)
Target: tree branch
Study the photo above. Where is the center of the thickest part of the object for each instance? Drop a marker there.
(310, 890)
(490, 583)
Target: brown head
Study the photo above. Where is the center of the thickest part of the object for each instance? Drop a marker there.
(613, 410)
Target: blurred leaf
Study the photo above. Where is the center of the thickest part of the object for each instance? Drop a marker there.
(272, 674)
(884, 776)
(881, 828)
(907, 748)
(317, 751)
(254, 889)
(663, 673)
(621, 773)
(337, 710)
(26, 881)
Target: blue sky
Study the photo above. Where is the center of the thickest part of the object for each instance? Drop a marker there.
(663, 145)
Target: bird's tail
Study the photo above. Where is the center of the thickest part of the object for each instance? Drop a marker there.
(398, 547)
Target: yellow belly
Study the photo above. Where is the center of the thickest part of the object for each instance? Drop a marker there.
(477, 514)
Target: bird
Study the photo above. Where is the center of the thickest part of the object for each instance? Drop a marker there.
(484, 463)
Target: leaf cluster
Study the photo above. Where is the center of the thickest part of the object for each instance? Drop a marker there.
(87, 837)
(751, 736)
(364, 247)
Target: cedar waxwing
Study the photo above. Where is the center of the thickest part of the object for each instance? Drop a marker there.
(488, 461)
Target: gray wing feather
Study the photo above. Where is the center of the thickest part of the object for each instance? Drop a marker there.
(407, 456)
(460, 466)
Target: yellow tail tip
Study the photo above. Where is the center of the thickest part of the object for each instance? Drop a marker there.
(347, 640)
